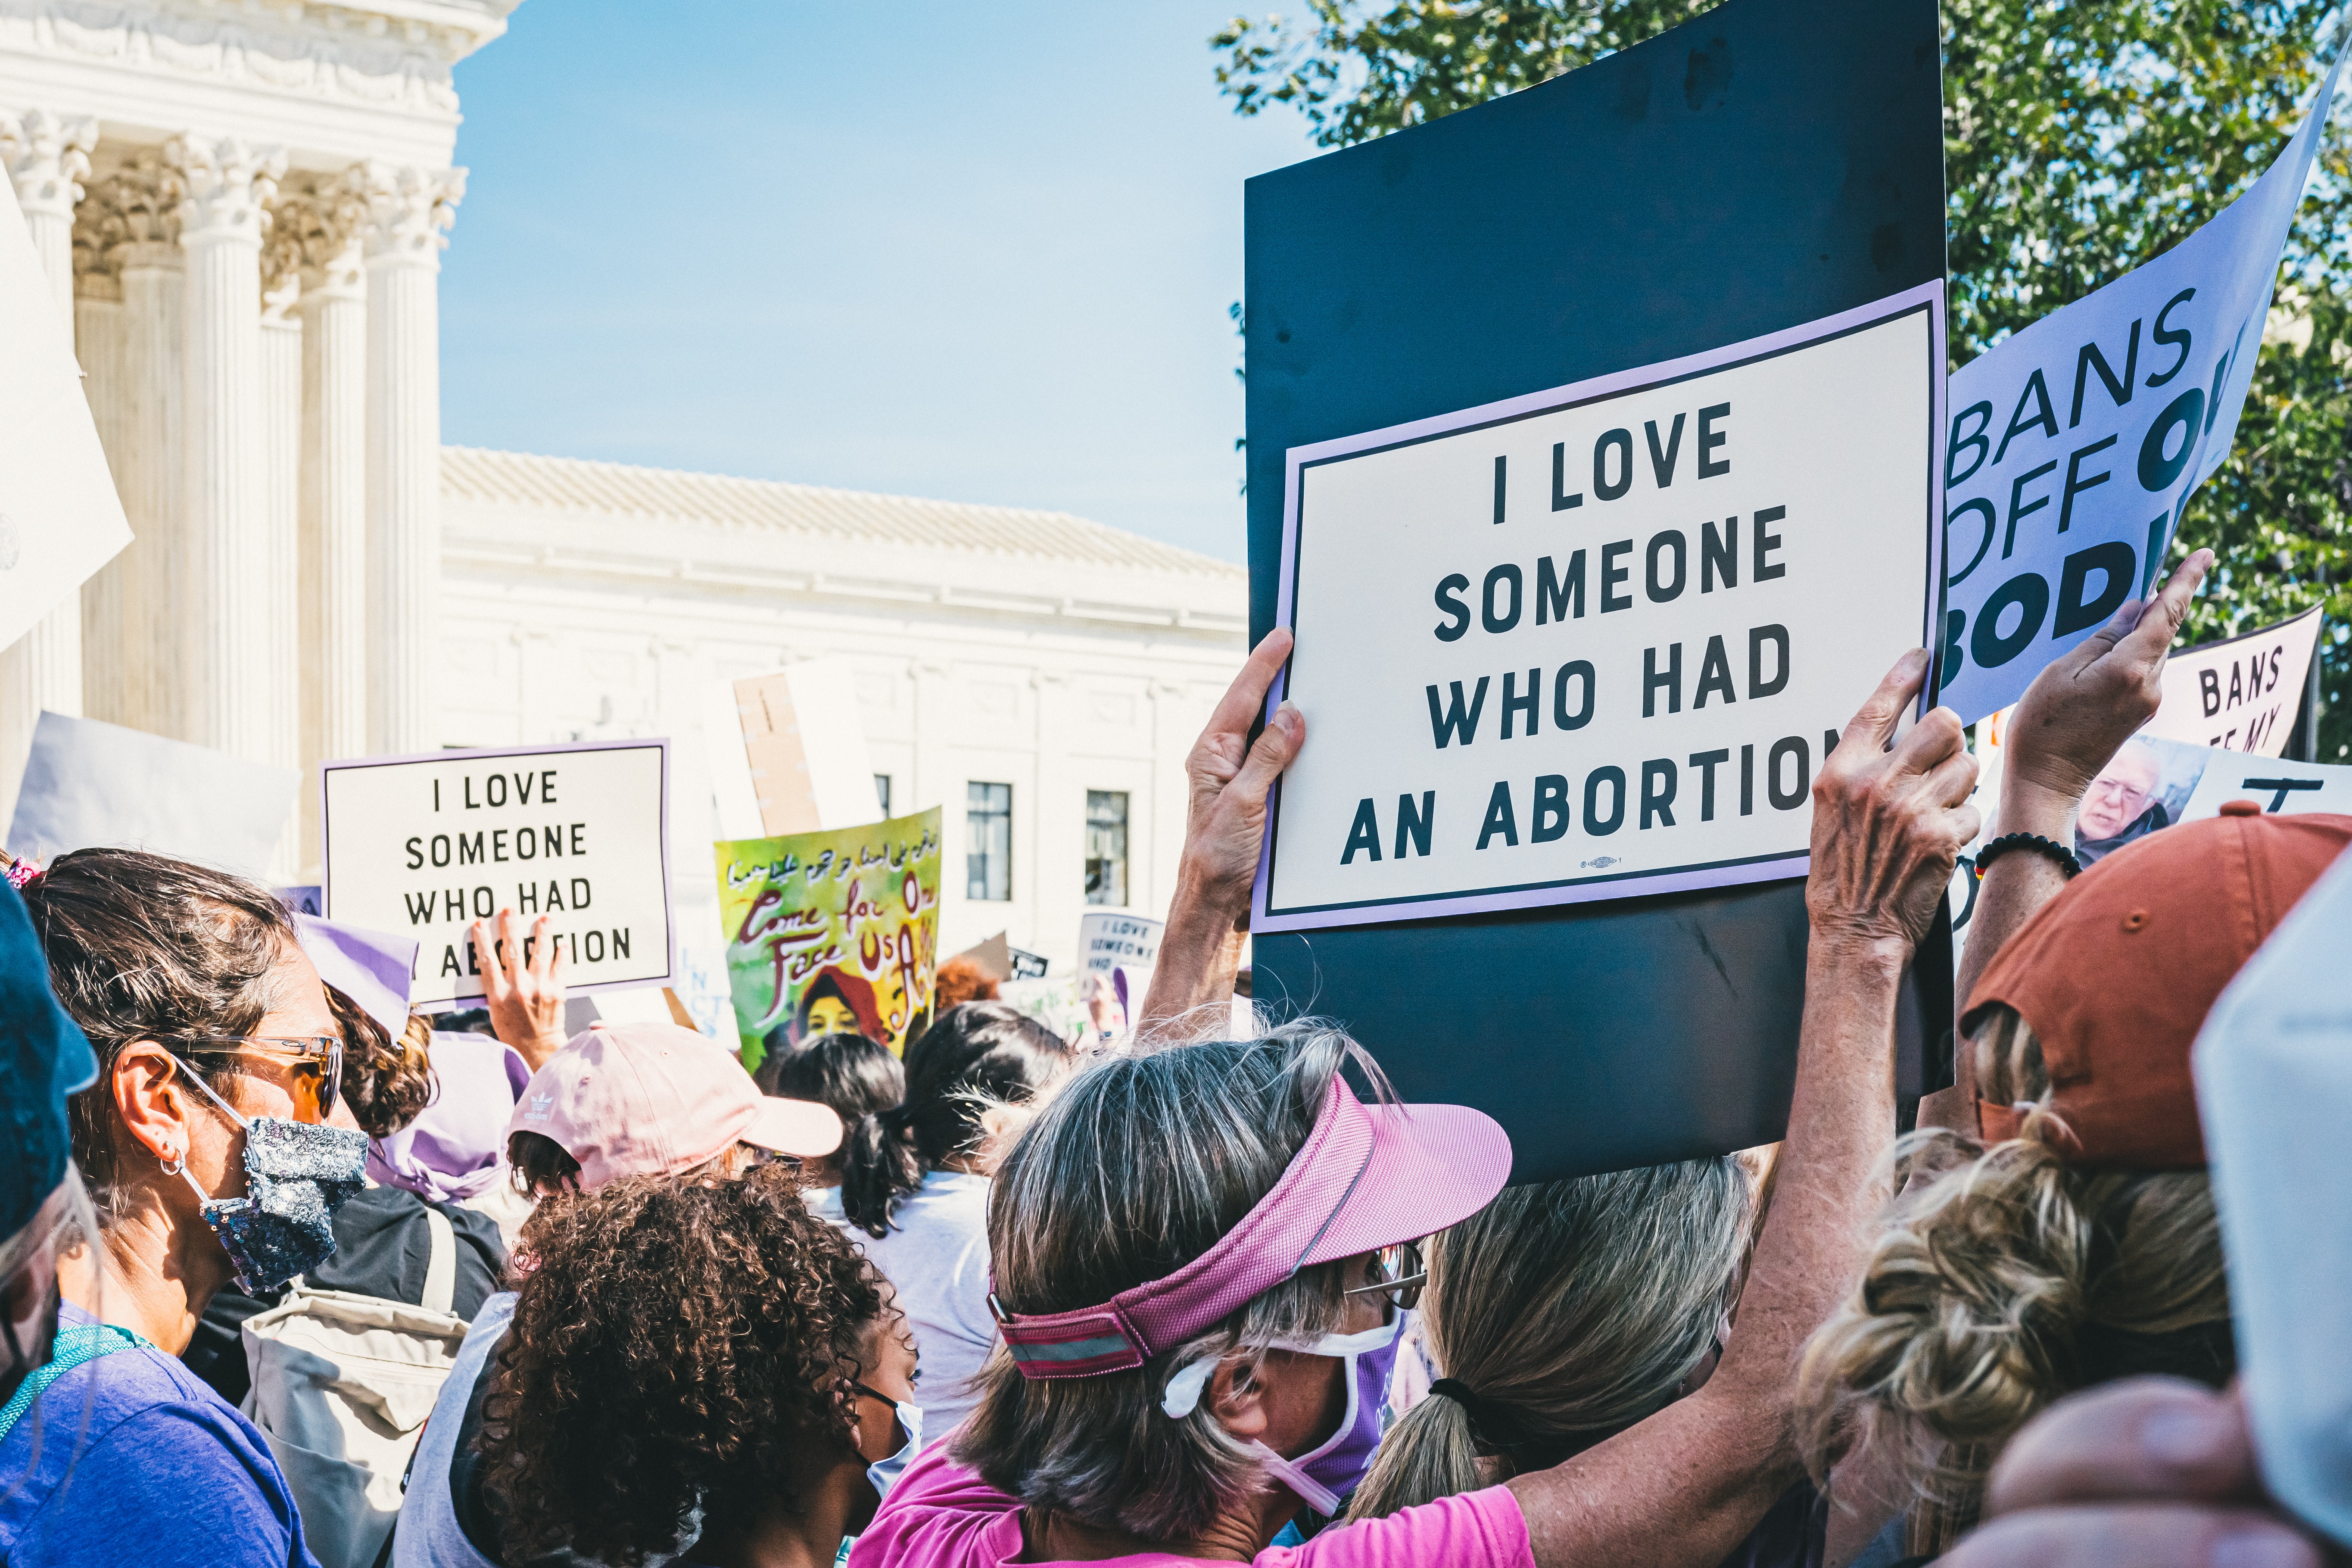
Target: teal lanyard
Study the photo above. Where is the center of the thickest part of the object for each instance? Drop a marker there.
(74, 1346)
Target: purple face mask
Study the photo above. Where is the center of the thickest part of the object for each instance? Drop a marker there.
(1323, 1476)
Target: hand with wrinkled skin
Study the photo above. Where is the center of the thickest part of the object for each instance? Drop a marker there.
(1889, 824)
(1227, 779)
(2068, 726)
(2087, 703)
(523, 989)
(2149, 1472)
(1683, 1487)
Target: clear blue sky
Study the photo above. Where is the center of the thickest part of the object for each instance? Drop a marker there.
(977, 252)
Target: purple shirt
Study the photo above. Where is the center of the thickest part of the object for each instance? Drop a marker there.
(132, 1459)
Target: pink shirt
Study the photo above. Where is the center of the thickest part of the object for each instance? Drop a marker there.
(942, 1515)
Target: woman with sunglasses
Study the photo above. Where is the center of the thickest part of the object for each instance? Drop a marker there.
(412, 1091)
(203, 1146)
(1198, 1267)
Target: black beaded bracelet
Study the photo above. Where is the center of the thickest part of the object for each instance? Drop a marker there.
(2033, 841)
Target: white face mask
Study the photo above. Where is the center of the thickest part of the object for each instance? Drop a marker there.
(885, 1473)
(1343, 1456)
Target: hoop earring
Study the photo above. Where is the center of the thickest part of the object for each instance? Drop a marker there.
(175, 1165)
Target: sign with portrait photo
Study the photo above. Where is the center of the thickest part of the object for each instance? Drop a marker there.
(835, 931)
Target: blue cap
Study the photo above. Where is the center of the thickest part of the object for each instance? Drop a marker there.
(44, 1057)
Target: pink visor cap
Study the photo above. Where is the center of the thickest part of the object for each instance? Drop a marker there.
(632, 1099)
(1368, 1177)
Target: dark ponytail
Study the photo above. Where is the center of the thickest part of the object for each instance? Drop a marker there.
(878, 1166)
(973, 1056)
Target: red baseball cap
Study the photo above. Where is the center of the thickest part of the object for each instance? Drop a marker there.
(629, 1099)
(2115, 975)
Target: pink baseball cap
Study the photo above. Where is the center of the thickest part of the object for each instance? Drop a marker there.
(1367, 1177)
(632, 1099)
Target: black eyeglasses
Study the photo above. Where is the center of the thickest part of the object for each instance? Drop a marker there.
(315, 1068)
(1399, 1276)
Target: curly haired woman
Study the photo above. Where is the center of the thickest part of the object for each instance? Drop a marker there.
(697, 1370)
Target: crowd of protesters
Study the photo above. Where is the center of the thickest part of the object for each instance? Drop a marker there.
(288, 1277)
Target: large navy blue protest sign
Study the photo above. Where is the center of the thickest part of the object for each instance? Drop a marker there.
(1773, 163)
(2076, 443)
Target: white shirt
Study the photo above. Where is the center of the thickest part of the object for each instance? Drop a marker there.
(936, 1256)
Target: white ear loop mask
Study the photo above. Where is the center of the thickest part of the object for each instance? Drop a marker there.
(1344, 1456)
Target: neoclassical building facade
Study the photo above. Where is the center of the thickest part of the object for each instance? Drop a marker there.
(1038, 675)
(242, 207)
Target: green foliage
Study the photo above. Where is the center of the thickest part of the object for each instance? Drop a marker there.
(1356, 76)
(2080, 139)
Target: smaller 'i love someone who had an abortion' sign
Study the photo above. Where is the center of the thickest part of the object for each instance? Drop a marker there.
(427, 845)
(1596, 642)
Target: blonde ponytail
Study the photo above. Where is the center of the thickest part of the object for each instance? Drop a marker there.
(1993, 1276)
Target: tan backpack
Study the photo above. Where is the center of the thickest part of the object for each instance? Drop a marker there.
(341, 1386)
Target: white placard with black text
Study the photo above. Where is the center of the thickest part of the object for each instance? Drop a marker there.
(427, 844)
(1108, 940)
(1593, 642)
(2241, 694)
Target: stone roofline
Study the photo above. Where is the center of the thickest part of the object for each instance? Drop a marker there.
(1123, 582)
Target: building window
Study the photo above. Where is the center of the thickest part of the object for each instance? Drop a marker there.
(882, 792)
(988, 841)
(1106, 846)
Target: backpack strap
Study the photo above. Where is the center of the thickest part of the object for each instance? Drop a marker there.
(441, 1268)
(73, 1348)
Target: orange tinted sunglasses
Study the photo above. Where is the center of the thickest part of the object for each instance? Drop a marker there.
(317, 1067)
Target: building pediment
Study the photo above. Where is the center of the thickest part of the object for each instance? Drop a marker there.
(332, 83)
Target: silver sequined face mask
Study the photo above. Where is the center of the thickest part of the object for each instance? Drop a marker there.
(297, 1174)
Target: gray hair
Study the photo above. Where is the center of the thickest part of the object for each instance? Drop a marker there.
(1572, 1309)
(1138, 1167)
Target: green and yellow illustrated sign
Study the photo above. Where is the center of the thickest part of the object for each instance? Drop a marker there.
(833, 932)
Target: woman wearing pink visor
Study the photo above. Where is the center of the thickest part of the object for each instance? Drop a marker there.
(1204, 1255)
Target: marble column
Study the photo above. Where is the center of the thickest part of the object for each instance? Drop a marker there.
(281, 474)
(129, 235)
(101, 332)
(409, 213)
(234, 701)
(333, 494)
(45, 158)
(281, 467)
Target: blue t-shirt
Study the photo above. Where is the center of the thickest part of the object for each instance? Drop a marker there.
(130, 1459)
